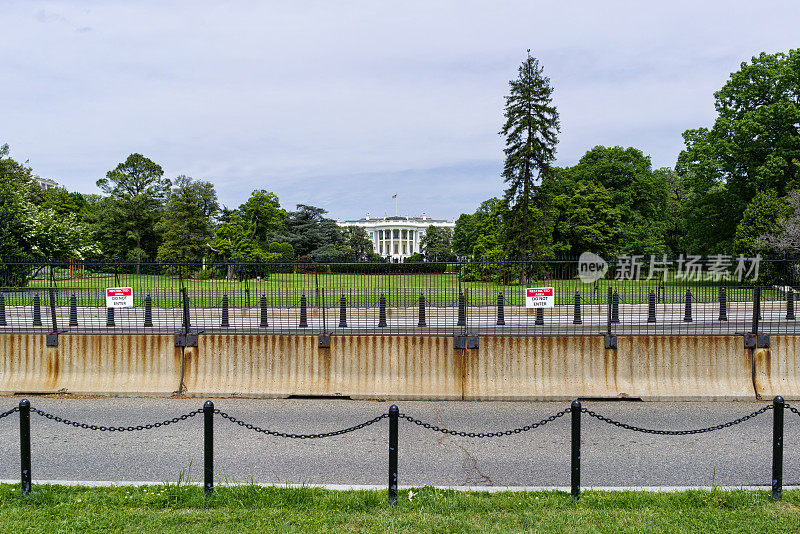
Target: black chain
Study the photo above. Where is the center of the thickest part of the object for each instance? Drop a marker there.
(791, 409)
(484, 434)
(676, 432)
(115, 428)
(9, 412)
(248, 426)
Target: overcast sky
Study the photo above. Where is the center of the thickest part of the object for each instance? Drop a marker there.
(343, 104)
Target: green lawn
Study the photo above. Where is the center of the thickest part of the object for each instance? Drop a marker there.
(364, 290)
(180, 509)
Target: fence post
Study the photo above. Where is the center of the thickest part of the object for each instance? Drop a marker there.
(208, 447)
(73, 310)
(2, 310)
(25, 445)
(382, 311)
(263, 303)
(651, 307)
(110, 317)
(303, 311)
(575, 471)
(577, 312)
(186, 320)
(52, 292)
(756, 308)
(462, 309)
(615, 307)
(37, 310)
(777, 447)
(342, 312)
(790, 305)
(501, 312)
(148, 311)
(394, 413)
(723, 304)
(687, 314)
(225, 315)
(422, 321)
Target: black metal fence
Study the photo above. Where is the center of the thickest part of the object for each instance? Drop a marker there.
(487, 298)
(778, 407)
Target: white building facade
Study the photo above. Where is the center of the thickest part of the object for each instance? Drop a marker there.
(397, 238)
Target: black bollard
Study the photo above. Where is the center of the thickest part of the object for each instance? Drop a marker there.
(25, 445)
(609, 300)
(422, 321)
(723, 304)
(303, 311)
(225, 313)
(777, 447)
(575, 464)
(687, 314)
(615, 308)
(501, 311)
(342, 312)
(148, 311)
(73, 310)
(576, 319)
(110, 317)
(263, 303)
(3, 310)
(539, 317)
(208, 447)
(382, 311)
(790, 305)
(37, 310)
(394, 416)
(462, 309)
(756, 308)
(651, 307)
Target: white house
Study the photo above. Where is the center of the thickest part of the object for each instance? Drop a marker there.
(396, 238)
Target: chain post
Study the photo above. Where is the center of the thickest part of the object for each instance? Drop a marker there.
(25, 445)
(575, 470)
(394, 413)
(777, 447)
(208, 447)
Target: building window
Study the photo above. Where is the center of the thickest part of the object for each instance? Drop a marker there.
(381, 248)
(372, 235)
(397, 234)
(405, 247)
(395, 246)
(405, 234)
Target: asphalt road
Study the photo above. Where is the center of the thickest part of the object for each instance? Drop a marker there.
(611, 456)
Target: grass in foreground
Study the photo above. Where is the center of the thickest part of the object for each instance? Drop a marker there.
(178, 508)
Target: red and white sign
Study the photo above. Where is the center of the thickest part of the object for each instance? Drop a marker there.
(540, 297)
(119, 297)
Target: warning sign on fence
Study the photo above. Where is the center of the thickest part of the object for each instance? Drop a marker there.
(119, 297)
(539, 297)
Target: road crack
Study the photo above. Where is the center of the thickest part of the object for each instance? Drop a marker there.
(472, 473)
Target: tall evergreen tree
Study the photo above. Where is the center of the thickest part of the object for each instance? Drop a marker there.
(531, 131)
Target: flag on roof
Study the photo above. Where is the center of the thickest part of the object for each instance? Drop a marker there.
(394, 196)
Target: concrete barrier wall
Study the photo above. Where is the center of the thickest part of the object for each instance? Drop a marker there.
(90, 364)
(776, 370)
(401, 367)
(354, 366)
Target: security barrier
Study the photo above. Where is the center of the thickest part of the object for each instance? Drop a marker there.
(777, 368)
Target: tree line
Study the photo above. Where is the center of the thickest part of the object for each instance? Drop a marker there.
(734, 189)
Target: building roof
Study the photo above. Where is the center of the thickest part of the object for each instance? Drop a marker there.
(421, 219)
